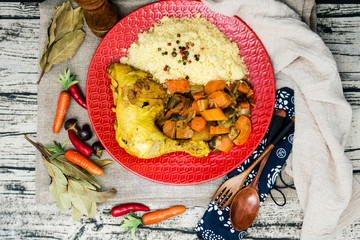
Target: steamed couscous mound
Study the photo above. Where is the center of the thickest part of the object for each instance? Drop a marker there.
(186, 48)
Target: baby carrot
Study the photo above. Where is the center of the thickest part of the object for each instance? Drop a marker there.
(63, 104)
(162, 214)
(80, 160)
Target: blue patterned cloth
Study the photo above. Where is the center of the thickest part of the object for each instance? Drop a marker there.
(215, 224)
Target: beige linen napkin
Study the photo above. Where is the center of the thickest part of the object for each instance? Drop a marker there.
(328, 193)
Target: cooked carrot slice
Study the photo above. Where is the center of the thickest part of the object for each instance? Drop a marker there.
(215, 114)
(225, 144)
(215, 130)
(243, 124)
(177, 86)
(214, 86)
(198, 124)
(220, 99)
(243, 87)
(198, 96)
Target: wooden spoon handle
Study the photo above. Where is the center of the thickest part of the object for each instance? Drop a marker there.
(254, 183)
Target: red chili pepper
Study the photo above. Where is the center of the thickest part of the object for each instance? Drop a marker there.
(77, 95)
(123, 209)
(79, 145)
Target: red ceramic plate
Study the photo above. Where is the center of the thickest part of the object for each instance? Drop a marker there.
(178, 168)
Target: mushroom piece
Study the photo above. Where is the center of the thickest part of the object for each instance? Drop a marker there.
(98, 148)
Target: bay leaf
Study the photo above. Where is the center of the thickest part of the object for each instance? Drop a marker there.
(100, 196)
(66, 47)
(64, 22)
(76, 214)
(72, 170)
(85, 183)
(102, 163)
(92, 212)
(78, 20)
(58, 12)
(58, 186)
(79, 197)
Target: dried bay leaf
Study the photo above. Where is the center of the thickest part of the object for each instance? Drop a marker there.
(72, 185)
(78, 21)
(92, 212)
(76, 214)
(79, 197)
(66, 47)
(100, 196)
(70, 169)
(85, 184)
(52, 26)
(66, 20)
(102, 163)
(58, 186)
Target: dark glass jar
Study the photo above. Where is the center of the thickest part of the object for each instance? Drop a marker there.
(100, 15)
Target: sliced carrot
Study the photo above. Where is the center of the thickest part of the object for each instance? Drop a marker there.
(225, 144)
(169, 129)
(245, 105)
(177, 86)
(215, 114)
(245, 109)
(198, 124)
(220, 99)
(195, 106)
(198, 96)
(213, 86)
(243, 87)
(215, 130)
(243, 124)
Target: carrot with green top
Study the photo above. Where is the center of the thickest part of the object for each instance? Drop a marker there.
(63, 104)
(133, 221)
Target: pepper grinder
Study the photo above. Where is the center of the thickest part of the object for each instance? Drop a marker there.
(100, 15)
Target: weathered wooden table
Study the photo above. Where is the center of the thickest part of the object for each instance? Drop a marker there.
(21, 218)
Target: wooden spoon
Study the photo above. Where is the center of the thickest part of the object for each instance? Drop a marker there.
(246, 203)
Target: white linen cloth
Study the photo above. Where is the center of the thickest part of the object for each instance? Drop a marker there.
(329, 195)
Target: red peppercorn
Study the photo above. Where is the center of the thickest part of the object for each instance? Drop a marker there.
(201, 48)
(169, 44)
(187, 47)
(192, 44)
(165, 69)
(178, 35)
